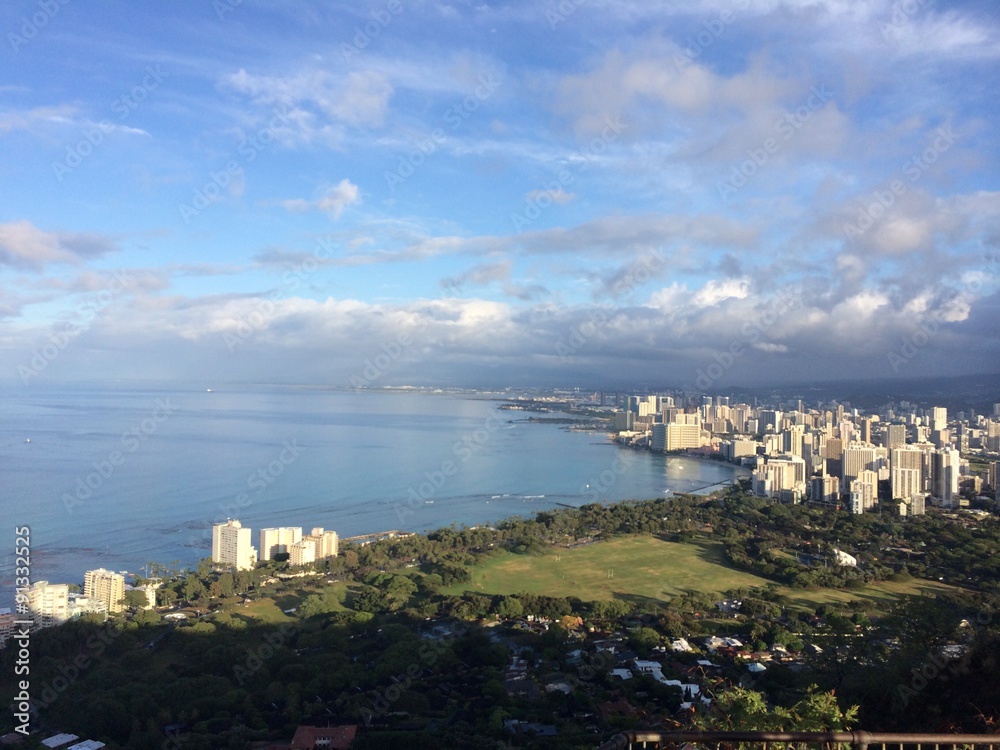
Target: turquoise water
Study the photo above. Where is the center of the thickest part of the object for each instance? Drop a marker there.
(118, 477)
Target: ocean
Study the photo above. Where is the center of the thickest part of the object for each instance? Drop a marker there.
(116, 477)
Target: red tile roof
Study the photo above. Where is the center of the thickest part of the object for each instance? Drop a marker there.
(334, 738)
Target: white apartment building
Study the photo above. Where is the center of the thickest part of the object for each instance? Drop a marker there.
(233, 545)
(302, 553)
(48, 603)
(105, 586)
(327, 543)
(278, 540)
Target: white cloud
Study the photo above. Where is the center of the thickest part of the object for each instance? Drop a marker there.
(25, 246)
(314, 105)
(333, 201)
(558, 196)
(715, 292)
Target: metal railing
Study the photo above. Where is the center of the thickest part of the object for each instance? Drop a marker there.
(798, 740)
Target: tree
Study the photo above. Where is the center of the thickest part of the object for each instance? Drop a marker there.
(193, 588)
(740, 709)
(135, 599)
(508, 606)
(147, 617)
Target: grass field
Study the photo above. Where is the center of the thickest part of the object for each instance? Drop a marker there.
(646, 567)
(876, 594)
(639, 566)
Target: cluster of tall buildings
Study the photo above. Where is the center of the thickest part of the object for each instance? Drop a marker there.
(103, 591)
(232, 545)
(833, 455)
(51, 604)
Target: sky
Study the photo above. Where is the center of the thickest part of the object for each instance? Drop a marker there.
(578, 193)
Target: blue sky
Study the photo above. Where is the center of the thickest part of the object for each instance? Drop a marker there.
(581, 193)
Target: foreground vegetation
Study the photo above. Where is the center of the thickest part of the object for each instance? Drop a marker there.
(390, 636)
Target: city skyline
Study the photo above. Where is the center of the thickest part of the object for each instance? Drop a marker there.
(441, 194)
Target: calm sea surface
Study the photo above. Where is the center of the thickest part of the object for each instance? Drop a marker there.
(116, 478)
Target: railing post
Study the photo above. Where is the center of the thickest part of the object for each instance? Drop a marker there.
(861, 740)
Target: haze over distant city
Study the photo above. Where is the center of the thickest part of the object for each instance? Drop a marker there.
(438, 193)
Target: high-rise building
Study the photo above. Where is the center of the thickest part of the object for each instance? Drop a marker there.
(993, 475)
(233, 545)
(276, 541)
(847, 432)
(945, 477)
(941, 438)
(905, 482)
(105, 586)
(48, 603)
(738, 448)
(915, 505)
(825, 489)
(864, 491)
(781, 476)
(833, 448)
(769, 418)
(326, 542)
(683, 436)
(992, 437)
(858, 458)
(624, 421)
(893, 435)
(740, 414)
(301, 553)
(774, 445)
(658, 438)
(865, 427)
(792, 439)
(907, 469)
(939, 418)
(7, 626)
